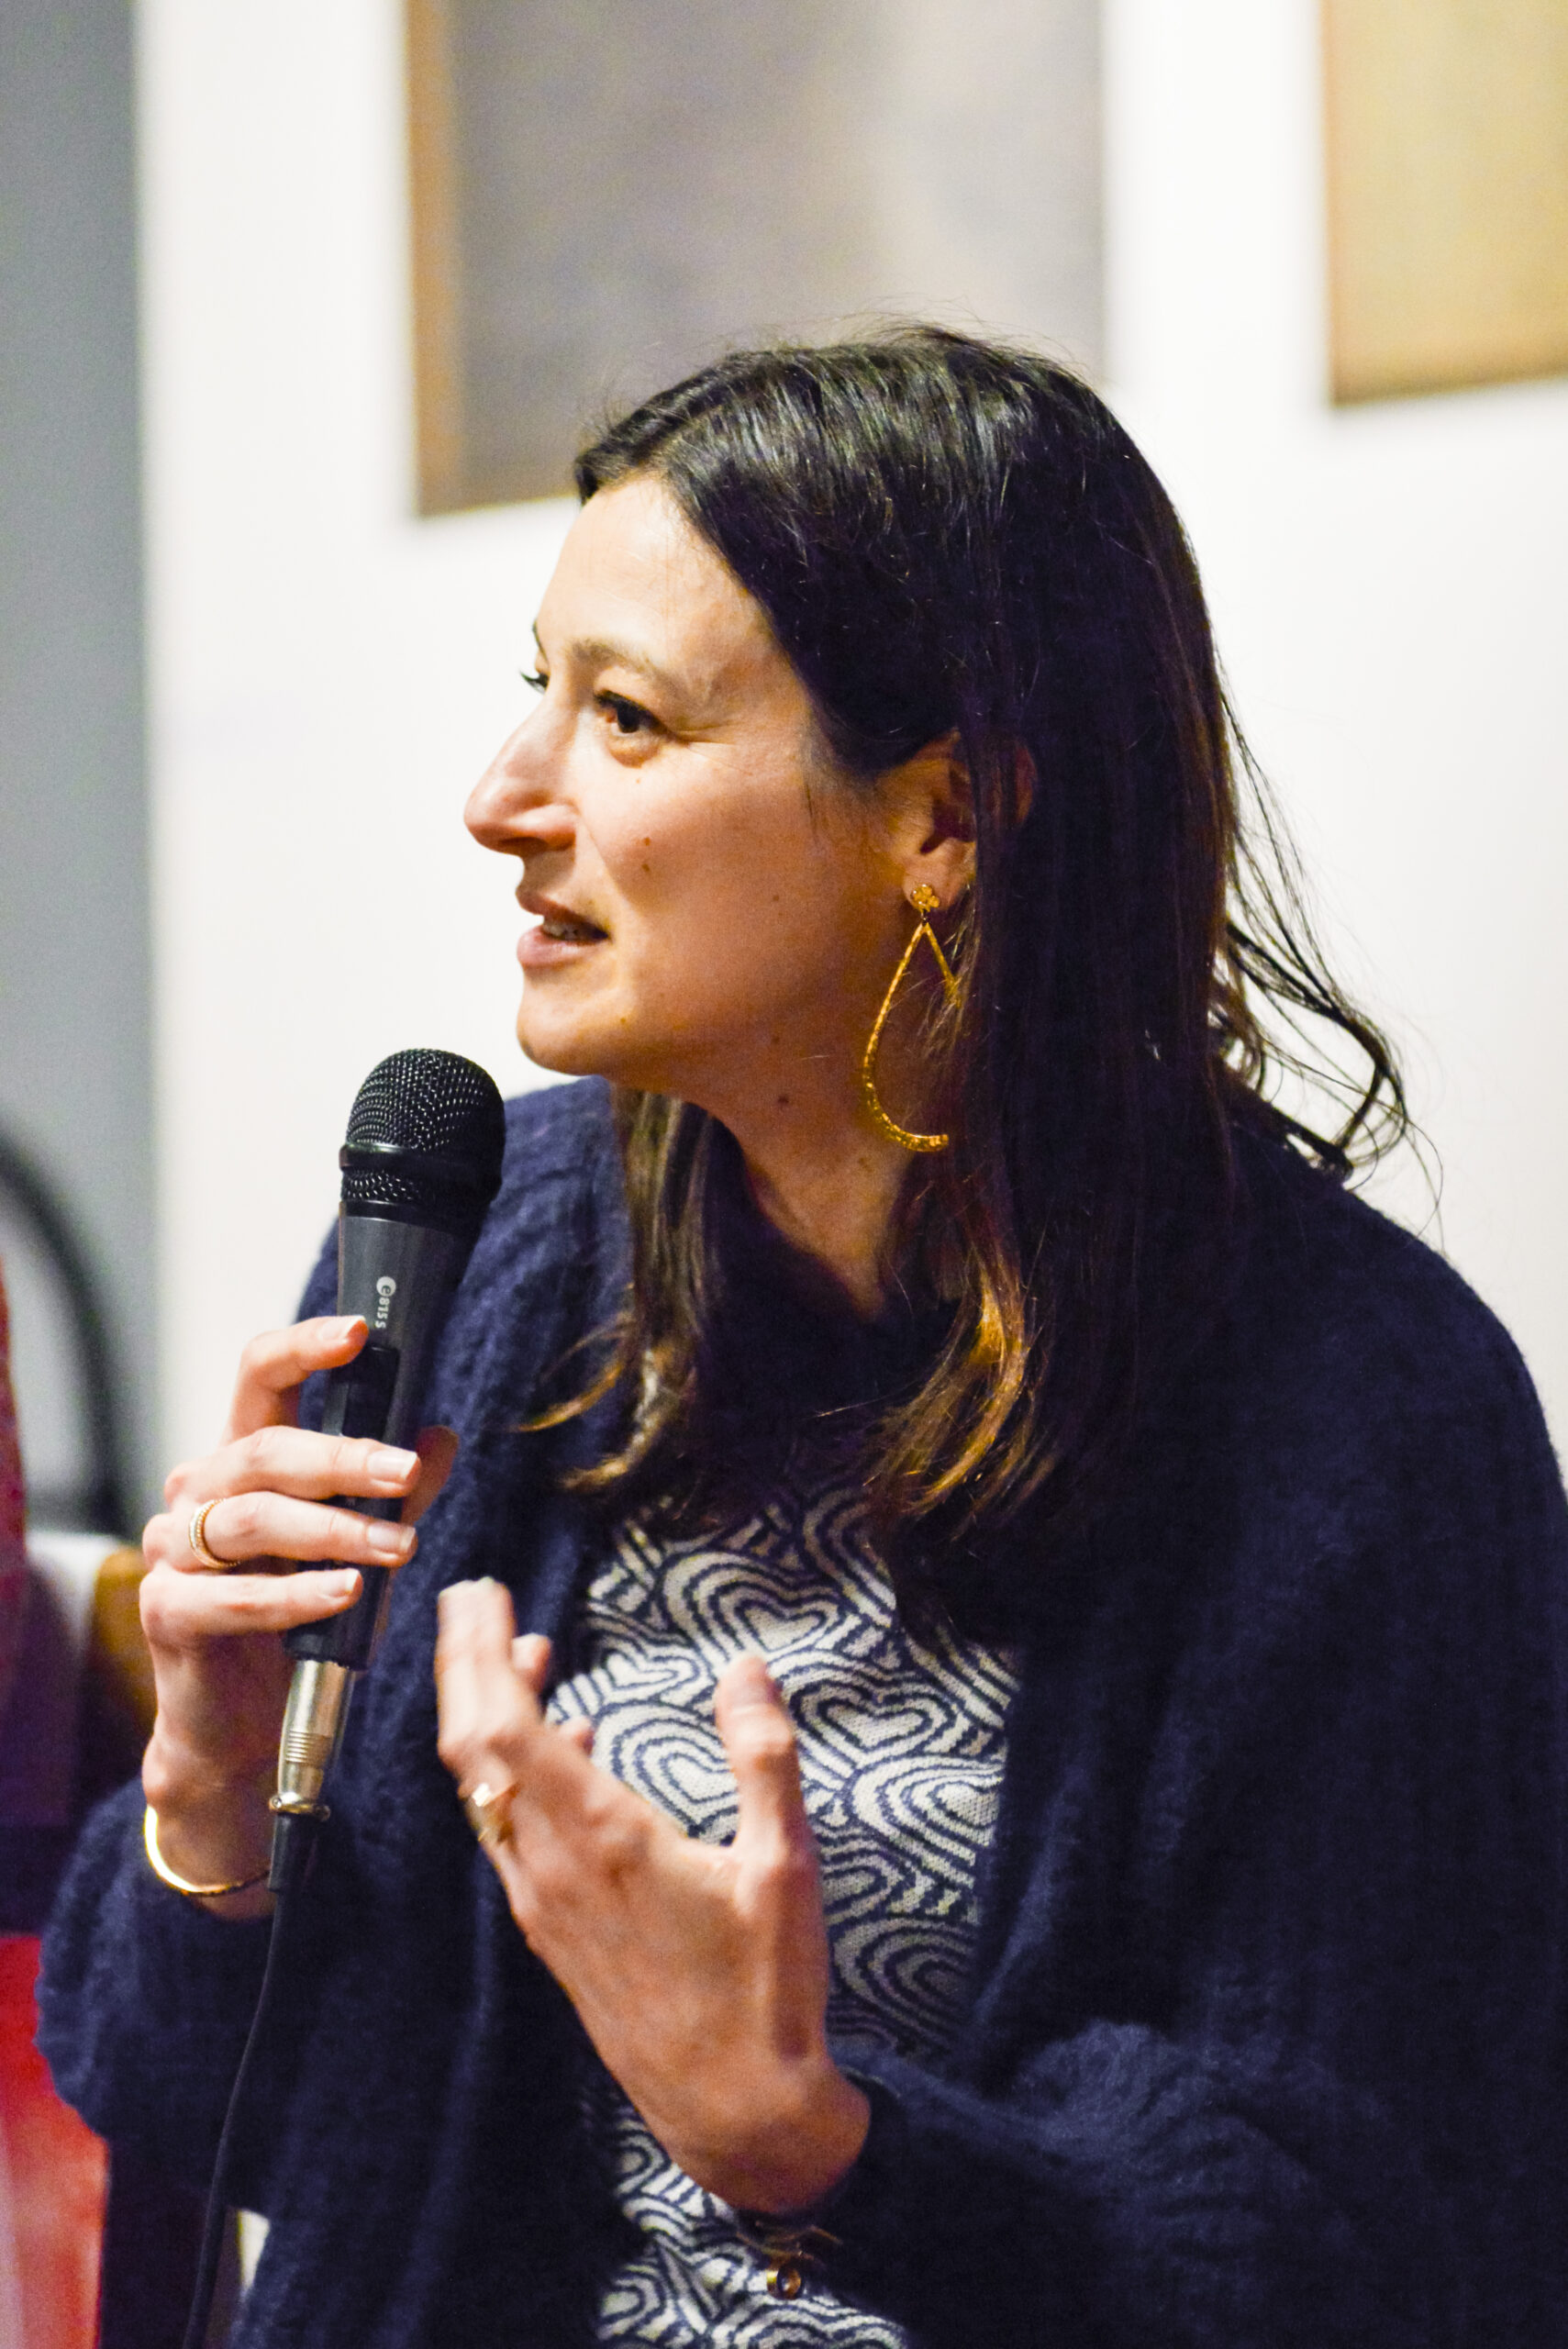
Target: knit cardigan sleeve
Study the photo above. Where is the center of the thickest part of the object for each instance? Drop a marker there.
(1270, 2050)
(145, 1997)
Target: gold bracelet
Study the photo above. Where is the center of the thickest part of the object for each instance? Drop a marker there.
(165, 1873)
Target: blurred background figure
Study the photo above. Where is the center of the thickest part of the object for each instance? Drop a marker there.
(52, 2169)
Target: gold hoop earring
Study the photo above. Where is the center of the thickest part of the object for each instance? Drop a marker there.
(925, 900)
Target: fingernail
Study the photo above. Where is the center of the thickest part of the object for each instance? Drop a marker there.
(341, 1584)
(346, 1324)
(463, 1593)
(392, 1467)
(753, 1687)
(388, 1540)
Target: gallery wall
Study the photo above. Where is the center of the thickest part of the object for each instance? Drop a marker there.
(326, 672)
(329, 671)
(1391, 602)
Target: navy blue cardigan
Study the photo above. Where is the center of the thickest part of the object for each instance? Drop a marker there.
(1264, 2045)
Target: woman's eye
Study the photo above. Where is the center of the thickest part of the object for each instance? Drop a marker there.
(628, 717)
(535, 679)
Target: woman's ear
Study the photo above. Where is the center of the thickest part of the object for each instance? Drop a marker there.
(931, 807)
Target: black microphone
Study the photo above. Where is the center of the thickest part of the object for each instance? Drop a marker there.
(421, 1163)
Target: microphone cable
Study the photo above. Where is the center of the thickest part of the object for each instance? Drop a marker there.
(285, 1911)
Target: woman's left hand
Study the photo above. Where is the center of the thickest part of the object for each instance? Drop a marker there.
(699, 1970)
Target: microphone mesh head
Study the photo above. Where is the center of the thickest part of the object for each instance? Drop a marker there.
(445, 1109)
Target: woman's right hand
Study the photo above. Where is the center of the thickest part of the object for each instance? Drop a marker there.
(221, 1670)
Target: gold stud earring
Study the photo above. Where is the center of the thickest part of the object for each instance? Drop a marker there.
(925, 900)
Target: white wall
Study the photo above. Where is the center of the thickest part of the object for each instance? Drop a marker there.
(1392, 604)
(328, 674)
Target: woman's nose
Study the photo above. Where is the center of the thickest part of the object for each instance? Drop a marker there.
(516, 804)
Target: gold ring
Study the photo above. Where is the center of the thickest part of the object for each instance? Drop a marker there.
(195, 1534)
(487, 1810)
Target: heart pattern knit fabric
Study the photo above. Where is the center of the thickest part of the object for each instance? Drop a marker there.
(902, 1748)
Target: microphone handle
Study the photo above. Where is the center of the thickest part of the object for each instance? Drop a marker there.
(401, 1277)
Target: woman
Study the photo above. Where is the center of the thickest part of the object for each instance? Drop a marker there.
(1009, 1680)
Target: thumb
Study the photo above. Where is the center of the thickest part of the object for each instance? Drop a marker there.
(759, 1743)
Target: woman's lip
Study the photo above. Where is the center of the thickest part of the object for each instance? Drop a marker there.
(550, 910)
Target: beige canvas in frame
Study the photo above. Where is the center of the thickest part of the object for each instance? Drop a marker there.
(1448, 191)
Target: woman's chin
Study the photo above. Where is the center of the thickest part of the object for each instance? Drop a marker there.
(568, 1051)
(558, 1059)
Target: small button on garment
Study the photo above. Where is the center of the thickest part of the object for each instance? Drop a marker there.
(785, 2251)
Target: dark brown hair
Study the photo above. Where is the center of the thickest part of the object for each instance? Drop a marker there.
(953, 538)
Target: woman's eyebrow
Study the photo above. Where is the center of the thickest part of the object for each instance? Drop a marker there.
(608, 651)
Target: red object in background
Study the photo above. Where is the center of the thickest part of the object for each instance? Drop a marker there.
(55, 2177)
(58, 2174)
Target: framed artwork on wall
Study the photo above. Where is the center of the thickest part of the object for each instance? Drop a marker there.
(606, 196)
(1446, 126)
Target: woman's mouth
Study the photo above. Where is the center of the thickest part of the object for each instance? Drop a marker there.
(577, 933)
(555, 929)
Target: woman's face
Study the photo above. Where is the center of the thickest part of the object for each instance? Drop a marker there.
(717, 912)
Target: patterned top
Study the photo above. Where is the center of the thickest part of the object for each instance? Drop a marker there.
(901, 1753)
